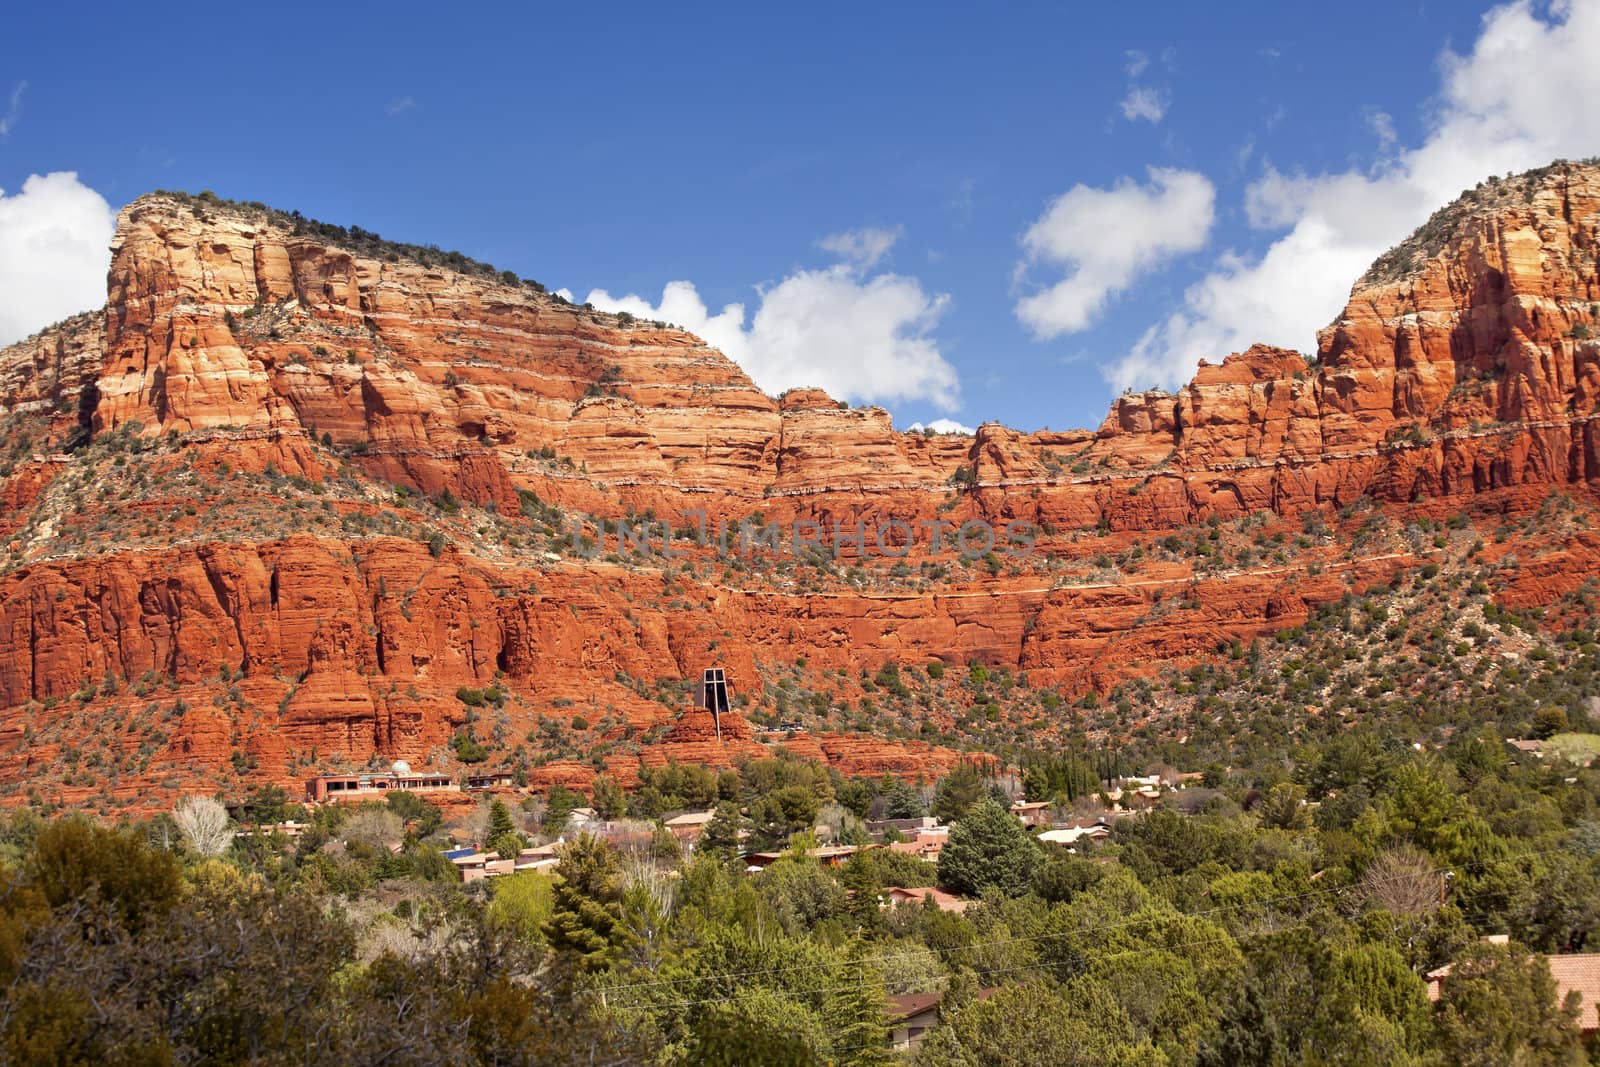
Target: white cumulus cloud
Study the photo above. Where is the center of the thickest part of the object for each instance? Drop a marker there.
(1142, 102)
(863, 247)
(860, 336)
(941, 426)
(1108, 237)
(55, 238)
(1527, 92)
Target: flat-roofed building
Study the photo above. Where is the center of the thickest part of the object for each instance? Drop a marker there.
(492, 780)
(374, 785)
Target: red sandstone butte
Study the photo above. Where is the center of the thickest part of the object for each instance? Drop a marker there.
(300, 619)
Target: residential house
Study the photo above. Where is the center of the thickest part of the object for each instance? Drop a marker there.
(1579, 972)
(1072, 835)
(1576, 972)
(537, 858)
(904, 826)
(1142, 799)
(374, 785)
(942, 900)
(469, 867)
(688, 827)
(1140, 793)
(928, 851)
(492, 780)
(289, 829)
(912, 1015)
(474, 866)
(926, 846)
(1032, 813)
(480, 865)
(827, 855)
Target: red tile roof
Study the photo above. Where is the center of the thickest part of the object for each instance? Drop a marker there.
(1577, 972)
(944, 901)
(903, 1006)
(1580, 972)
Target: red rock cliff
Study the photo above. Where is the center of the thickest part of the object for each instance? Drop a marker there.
(213, 496)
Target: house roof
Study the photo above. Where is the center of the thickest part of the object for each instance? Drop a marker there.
(904, 1006)
(691, 818)
(821, 852)
(1580, 972)
(539, 851)
(921, 822)
(1068, 835)
(944, 901)
(1576, 972)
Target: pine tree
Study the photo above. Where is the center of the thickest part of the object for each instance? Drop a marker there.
(558, 808)
(852, 1013)
(861, 881)
(721, 835)
(587, 917)
(958, 791)
(499, 819)
(902, 802)
(608, 799)
(988, 847)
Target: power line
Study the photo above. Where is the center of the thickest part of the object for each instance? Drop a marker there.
(1438, 872)
(985, 972)
(1075, 961)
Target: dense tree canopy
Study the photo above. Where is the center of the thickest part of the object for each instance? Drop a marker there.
(1284, 909)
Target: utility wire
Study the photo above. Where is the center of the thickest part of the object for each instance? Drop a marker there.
(1142, 920)
(1078, 961)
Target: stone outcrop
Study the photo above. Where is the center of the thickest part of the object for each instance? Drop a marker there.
(1467, 361)
(224, 317)
(345, 623)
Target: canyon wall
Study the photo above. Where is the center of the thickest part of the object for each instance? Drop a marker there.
(317, 377)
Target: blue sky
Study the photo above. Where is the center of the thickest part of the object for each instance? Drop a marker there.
(1235, 165)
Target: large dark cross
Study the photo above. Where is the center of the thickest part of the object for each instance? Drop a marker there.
(714, 696)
